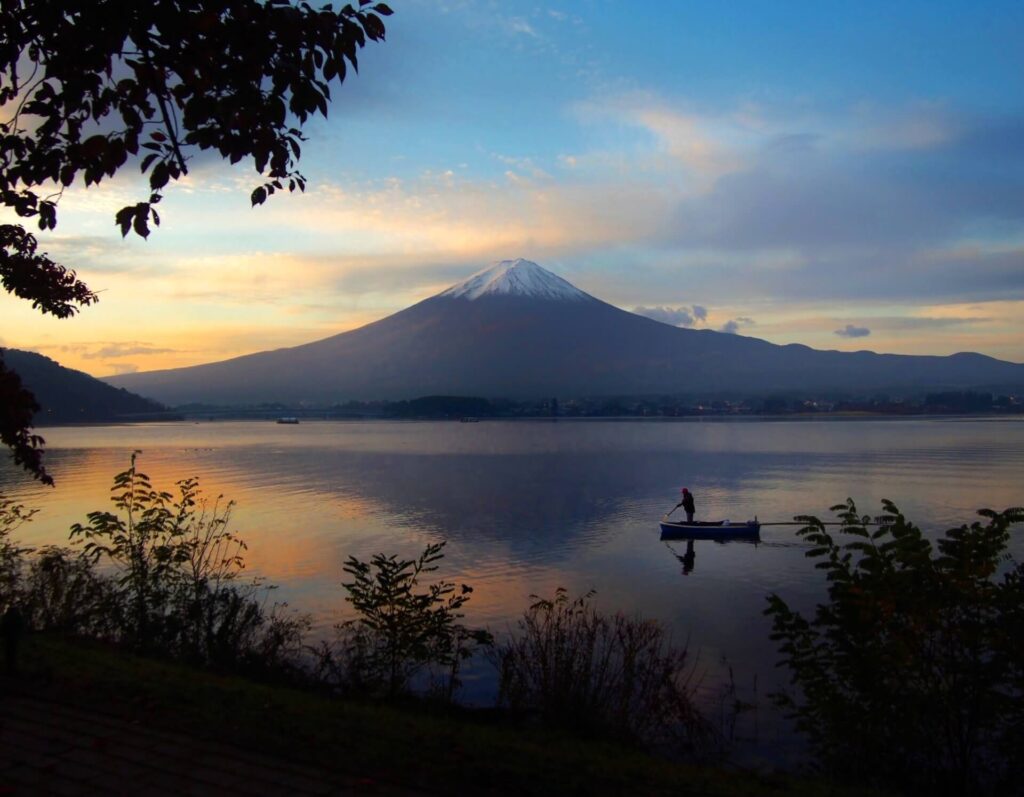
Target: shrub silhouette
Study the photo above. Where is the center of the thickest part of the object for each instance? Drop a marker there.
(910, 674)
(609, 675)
(176, 581)
(62, 591)
(401, 629)
(12, 556)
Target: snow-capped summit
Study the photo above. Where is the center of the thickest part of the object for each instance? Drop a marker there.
(518, 331)
(517, 278)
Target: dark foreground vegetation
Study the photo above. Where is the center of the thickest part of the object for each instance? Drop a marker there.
(910, 676)
(162, 575)
(378, 747)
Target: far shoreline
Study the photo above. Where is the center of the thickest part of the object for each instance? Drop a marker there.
(803, 417)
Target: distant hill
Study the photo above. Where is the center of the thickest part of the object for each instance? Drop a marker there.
(67, 396)
(518, 331)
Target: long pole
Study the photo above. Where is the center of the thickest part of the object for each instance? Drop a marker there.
(826, 523)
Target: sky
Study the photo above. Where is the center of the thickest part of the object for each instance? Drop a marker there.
(843, 175)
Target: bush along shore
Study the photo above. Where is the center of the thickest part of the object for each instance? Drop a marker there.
(148, 606)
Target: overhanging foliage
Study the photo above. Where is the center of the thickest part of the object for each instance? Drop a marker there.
(89, 87)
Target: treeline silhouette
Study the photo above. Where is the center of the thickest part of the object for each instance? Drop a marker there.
(458, 407)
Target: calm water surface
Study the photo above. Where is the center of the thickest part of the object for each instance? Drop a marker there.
(527, 506)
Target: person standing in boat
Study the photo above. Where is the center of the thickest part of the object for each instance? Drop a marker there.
(688, 505)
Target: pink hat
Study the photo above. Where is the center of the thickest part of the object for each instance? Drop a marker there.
(684, 490)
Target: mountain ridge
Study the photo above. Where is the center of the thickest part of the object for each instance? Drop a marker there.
(515, 331)
(69, 396)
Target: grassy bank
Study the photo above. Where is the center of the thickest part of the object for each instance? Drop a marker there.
(379, 745)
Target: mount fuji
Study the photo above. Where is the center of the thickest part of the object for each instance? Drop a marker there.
(516, 330)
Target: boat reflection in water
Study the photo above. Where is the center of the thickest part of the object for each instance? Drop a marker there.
(722, 533)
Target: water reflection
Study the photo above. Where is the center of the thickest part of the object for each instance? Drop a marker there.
(527, 507)
(688, 558)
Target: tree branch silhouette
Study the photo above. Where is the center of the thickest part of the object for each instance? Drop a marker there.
(238, 77)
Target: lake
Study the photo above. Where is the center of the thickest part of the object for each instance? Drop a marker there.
(527, 506)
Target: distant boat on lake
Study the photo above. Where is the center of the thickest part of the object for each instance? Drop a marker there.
(288, 419)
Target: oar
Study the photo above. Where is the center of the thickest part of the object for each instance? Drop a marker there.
(673, 509)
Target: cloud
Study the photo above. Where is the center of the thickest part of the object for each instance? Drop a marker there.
(518, 25)
(465, 219)
(98, 254)
(901, 323)
(894, 206)
(703, 147)
(851, 331)
(116, 369)
(859, 209)
(686, 316)
(784, 208)
(96, 350)
(921, 128)
(114, 350)
(888, 210)
(733, 326)
(674, 316)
